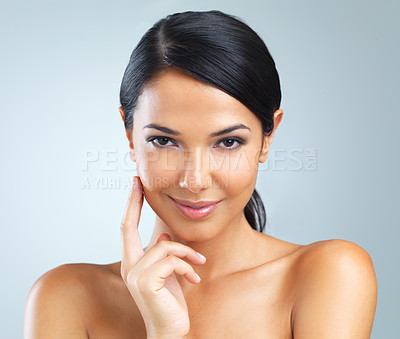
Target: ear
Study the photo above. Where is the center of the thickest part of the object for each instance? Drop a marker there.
(278, 114)
(128, 135)
(122, 113)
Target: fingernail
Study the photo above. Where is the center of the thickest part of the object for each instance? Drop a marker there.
(197, 276)
(201, 256)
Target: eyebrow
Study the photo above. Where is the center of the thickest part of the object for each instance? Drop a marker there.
(212, 135)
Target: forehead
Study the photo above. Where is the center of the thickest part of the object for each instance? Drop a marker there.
(176, 97)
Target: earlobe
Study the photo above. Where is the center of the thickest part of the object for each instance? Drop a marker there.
(268, 139)
(264, 151)
(131, 147)
(132, 154)
(128, 135)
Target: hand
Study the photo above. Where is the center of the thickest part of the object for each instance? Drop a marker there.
(150, 276)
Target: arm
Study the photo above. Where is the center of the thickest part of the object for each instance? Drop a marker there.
(336, 293)
(54, 306)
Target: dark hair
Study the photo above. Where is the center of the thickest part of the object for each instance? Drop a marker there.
(216, 48)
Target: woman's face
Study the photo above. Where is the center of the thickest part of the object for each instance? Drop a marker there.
(189, 162)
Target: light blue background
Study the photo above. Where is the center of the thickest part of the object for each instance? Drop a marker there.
(61, 67)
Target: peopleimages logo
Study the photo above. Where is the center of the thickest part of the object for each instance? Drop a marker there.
(113, 169)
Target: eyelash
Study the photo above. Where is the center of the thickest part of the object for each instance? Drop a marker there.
(238, 140)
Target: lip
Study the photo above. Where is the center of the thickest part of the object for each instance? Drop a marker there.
(200, 203)
(207, 207)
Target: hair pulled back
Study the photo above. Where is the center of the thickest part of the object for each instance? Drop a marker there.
(216, 48)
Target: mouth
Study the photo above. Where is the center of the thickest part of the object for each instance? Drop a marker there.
(196, 210)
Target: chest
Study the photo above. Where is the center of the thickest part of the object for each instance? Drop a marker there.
(240, 308)
(249, 305)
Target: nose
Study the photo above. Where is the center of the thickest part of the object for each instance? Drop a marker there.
(195, 175)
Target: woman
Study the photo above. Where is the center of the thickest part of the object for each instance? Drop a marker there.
(200, 102)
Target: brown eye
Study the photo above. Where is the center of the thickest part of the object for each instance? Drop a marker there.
(162, 141)
(229, 142)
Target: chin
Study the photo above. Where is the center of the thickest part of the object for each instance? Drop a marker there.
(193, 235)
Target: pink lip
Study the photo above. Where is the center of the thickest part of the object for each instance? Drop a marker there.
(193, 213)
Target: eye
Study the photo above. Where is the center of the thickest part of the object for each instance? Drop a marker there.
(164, 141)
(229, 141)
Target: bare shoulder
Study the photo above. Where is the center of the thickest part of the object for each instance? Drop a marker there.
(335, 255)
(59, 302)
(335, 284)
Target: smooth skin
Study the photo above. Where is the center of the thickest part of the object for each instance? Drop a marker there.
(252, 284)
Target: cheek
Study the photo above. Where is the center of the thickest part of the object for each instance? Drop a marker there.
(156, 169)
(241, 177)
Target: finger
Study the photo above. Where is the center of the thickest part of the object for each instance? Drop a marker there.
(167, 248)
(131, 244)
(156, 274)
(163, 236)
